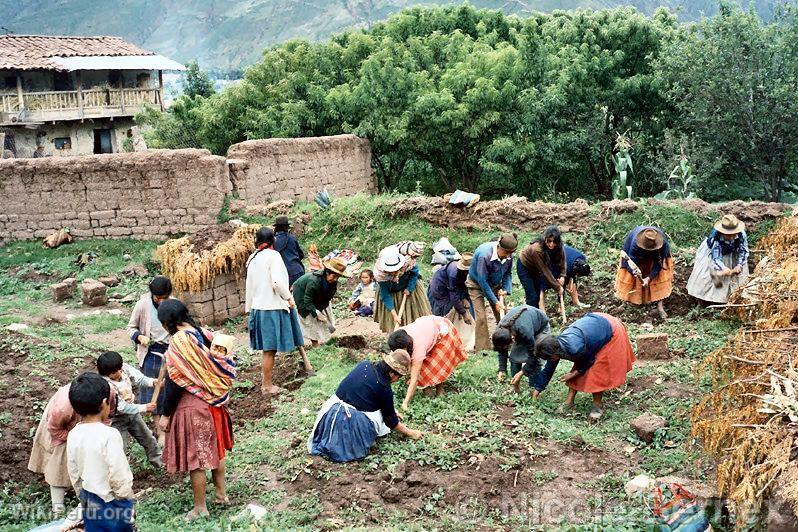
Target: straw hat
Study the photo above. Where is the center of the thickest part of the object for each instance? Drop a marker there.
(649, 239)
(410, 248)
(391, 260)
(729, 225)
(336, 265)
(465, 261)
(398, 360)
(226, 341)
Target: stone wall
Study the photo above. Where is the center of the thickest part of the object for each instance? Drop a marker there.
(222, 300)
(150, 194)
(268, 170)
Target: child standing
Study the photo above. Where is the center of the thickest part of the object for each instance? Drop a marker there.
(96, 460)
(49, 456)
(361, 303)
(128, 420)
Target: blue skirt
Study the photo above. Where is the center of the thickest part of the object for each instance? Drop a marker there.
(150, 367)
(344, 434)
(274, 330)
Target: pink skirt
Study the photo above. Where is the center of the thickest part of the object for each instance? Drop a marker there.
(199, 435)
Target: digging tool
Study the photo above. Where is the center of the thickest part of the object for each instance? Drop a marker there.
(161, 435)
(635, 268)
(306, 361)
(562, 308)
(401, 311)
(502, 310)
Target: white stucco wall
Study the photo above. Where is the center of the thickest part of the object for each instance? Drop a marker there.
(81, 135)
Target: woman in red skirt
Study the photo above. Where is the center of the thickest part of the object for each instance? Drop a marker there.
(199, 376)
(599, 347)
(435, 350)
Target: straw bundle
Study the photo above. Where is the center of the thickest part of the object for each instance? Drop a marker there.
(193, 271)
(750, 418)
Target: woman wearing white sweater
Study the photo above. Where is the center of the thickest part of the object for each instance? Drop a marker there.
(273, 322)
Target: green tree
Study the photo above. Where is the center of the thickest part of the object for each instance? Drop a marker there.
(197, 82)
(734, 81)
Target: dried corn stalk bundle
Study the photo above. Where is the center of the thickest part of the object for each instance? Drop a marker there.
(749, 420)
(193, 271)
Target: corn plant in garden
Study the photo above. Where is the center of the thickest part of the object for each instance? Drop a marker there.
(621, 189)
(679, 181)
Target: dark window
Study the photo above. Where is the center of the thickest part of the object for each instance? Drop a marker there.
(114, 78)
(62, 143)
(62, 81)
(102, 141)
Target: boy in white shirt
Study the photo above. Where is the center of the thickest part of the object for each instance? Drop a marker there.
(96, 461)
(127, 419)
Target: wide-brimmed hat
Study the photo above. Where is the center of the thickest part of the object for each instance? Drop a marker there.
(391, 260)
(508, 242)
(398, 360)
(465, 261)
(336, 265)
(649, 239)
(224, 340)
(729, 225)
(410, 248)
(282, 220)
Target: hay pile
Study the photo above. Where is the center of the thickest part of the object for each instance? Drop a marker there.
(750, 419)
(191, 264)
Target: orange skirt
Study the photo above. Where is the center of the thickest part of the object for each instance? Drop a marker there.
(630, 288)
(447, 354)
(613, 362)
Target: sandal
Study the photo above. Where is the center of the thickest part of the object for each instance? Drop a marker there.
(595, 413)
(222, 502)
(192, 515)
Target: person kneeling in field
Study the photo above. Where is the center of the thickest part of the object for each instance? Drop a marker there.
(599, 347)
(98, 467)
(517, 333)
(360, 410)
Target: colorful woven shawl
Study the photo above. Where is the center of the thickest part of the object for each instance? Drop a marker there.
(191, 366)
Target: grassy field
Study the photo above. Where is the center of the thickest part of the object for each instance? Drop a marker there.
(489, 458)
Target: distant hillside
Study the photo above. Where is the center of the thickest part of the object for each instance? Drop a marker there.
(230, 34)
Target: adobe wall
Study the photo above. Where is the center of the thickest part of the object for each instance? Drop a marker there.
(150, 194)
(268, 170)
(224, 298)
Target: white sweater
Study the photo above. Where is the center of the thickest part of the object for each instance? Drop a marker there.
(267, 282)
(97, 463)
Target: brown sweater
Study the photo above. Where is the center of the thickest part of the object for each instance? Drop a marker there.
(533, 257)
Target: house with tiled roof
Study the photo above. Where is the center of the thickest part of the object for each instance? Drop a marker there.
(67, 95)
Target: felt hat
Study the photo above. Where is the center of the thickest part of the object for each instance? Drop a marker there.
(508, 242)
(391, 260)
(729, 225)
(224, 340)
(336, 265)
(649, 239)
(410, 248)
(282, 220)
(398, 360)
(465, 261)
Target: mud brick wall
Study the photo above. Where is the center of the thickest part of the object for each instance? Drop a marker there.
(141, 195)
(268, 170)
(223, 299)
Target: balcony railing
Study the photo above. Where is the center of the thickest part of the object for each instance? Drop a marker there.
(32, 107)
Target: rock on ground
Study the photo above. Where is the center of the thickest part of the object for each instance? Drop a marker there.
(94, 293)
(109, 281)
(64, 290)
(652, 346)
(646, 425)
(135, 270)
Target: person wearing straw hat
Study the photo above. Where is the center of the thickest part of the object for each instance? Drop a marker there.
(490, 277)
(313, 293)
(361, 410)
(645, 270)
(448, 297)
(721, 262)
(398, 279)
(287, 245)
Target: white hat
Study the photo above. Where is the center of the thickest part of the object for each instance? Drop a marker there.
(391, 260)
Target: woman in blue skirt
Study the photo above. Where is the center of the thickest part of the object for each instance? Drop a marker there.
(273, 321)
(361, 410)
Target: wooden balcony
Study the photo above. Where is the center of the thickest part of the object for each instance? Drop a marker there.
(38, 107)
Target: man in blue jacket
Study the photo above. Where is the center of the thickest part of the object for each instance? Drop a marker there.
(490, 277)
(287, 245)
